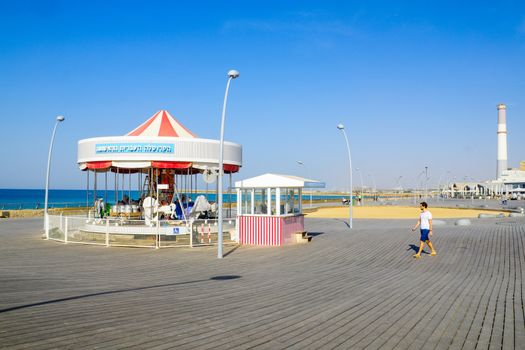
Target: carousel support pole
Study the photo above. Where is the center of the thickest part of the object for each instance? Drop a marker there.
(150, 182)
(46, 217)
(232, 74)
(157, 238)
(115, 186)
(179, 199)
(129, 184)
(230, 197)
(87, 191)
(188, 185)
(105, 188)
(95, 186)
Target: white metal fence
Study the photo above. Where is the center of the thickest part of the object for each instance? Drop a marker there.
(126, 232)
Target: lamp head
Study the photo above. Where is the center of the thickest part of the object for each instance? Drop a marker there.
(60, 118)
(233, 73)
(340, 126)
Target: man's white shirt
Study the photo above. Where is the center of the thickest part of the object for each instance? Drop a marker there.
(425, 218)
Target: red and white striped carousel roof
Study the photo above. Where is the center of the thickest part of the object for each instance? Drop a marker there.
(162, 124)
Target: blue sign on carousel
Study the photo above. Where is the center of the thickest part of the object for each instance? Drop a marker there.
(104, 148)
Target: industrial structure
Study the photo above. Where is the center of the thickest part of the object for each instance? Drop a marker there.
(509, 182)
(502, 141)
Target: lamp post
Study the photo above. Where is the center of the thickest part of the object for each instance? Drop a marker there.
(232, 74)
(374, 182)
(426, 183)
(440, 190)
(362, 187)
(342, 128)
(59, 119)
(418, 186)
(300, 162)
(398, 187)
(473, 190)
(449, 186)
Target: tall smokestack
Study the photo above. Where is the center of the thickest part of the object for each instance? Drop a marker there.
(502, 140)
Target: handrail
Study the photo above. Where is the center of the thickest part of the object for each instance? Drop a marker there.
(39, 205)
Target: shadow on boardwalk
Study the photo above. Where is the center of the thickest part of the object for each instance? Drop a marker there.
(215, 278)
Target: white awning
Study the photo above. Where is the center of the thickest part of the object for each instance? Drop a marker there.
(277, 180)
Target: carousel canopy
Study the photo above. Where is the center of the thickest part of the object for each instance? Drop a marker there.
(160, 142)
(161, 124)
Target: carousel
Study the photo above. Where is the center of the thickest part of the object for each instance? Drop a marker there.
(155, 186)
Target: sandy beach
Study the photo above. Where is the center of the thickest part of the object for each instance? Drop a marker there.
(396, 212)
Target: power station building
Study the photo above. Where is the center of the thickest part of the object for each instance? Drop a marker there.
(508, 182)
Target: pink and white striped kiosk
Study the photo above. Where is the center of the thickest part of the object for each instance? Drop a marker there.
(269, 209)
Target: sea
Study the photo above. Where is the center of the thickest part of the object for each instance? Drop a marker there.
(35, 198)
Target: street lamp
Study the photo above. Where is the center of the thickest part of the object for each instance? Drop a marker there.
(373, 181)
(342, 128)
(398, 187)
(232, 74)
(426, 183)
(300, 162)
(418, 186)
(362, 187)
(59, 119)
(441, 190)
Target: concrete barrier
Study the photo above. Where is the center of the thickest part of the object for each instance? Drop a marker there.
(463, 222)
(485, 216)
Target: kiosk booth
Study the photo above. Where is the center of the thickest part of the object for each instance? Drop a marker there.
(269, 209)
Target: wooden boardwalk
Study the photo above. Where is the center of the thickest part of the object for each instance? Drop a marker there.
(344, 290)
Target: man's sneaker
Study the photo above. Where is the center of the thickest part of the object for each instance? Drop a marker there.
(433, 254)
(417, 256)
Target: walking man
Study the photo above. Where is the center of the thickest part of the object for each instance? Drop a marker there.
(425, 224)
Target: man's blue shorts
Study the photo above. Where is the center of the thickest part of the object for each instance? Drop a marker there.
(424, 235)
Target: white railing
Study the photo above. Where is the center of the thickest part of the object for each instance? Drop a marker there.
(135, 233)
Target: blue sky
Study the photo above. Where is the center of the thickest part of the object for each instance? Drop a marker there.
(415, 83)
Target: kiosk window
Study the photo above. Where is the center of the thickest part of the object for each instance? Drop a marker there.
(246, 201)
(261, 207)
(288, 201)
